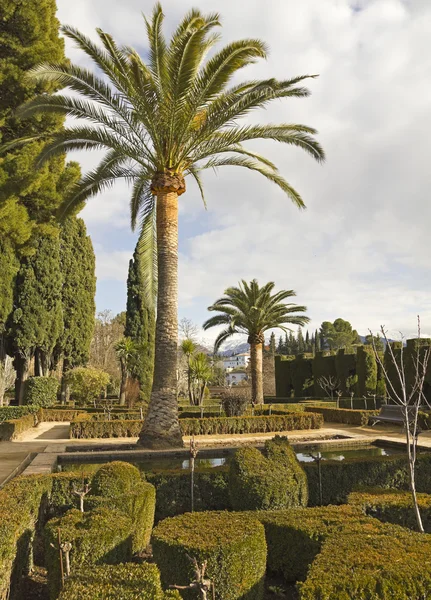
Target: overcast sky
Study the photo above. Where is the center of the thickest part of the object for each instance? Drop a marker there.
(361, 250)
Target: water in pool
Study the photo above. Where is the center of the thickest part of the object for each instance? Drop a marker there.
(304, 455)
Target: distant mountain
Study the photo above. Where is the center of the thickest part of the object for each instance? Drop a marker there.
(232, 347)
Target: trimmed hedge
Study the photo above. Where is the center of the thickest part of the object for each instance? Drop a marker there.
(84, 428)
(273, 479)
(392, 506)
(343, 415)
(237, 425)
(114, 478)
(370, 560)
(233, 544)
(10, 430)
(100, 536)
(59, 414)
(41, 391)
(117, 582)
(7, 413)
(139, 505)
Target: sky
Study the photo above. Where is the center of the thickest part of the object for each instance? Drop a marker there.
(361, 251)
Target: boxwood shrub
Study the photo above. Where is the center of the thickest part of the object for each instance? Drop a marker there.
(15, 412)
(270, 480)
(233, 544)
(83, 428)
(114, 478)
(117, 582)
(99, 536)
(10, 430)
(41, 391)
(343, 415)
(392, 506)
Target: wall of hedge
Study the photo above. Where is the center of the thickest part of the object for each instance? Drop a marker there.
(41, 391)
(10, 430)
(343, 415)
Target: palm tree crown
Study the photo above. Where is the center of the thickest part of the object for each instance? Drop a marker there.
(253, 310)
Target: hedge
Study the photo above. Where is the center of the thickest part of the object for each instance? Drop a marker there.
(114, 478)
(8, 413)
(273, 479)
(83, 428)
(117, 582)
(256, 424)
(392, 506)
(100, 536)
(10, 430)
(343, 415)
(370, 560)
(59, 414)
(41, 391)
(233, 544)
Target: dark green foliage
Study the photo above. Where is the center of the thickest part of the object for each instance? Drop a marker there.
(343, 415)
(116, 582)
(270, 480)
(98, 537)
(393, 506)
(390, 368)
(9, 266)
(140, 323)
(77, 262)
(283, 376)
(10, 430)
(233, 544)
(16, 412)
(345, 368)
(323, 366)
(115, 478)
(211, 491)
(338, 334)
(83, 427)
(138, 504)
(41, 391)
(302, 375)
(367, 371)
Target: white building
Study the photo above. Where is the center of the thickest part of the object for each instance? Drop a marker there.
(235, 377)
(238, 360)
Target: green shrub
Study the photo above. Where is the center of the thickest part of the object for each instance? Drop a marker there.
(86, 384)
(236, 425)
(294, 537)
(115, 478)
(233, 544)
(10, 430)
(41, 391)
(343, 415)
(7, 413)
(97, 537)
(273, 479)
(139, 505)
(392, 506)
(59, 414)
(370, 560)
(84, 428)
(116, 582)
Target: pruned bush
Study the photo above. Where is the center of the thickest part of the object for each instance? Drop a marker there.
(270, 480)
(116, 582)
(343, 415)
(86, 384)
(41, 391)
(7, 413)
(248, 424)
(97, 537)
(235, 402)
(83, 427)
(115, 478)
(233, 545)
(10, 430)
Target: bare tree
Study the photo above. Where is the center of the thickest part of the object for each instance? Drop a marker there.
(329, 385)
(408, 393)
(188, 330)
(200, 583)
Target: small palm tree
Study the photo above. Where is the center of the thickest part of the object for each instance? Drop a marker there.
(160, 121)
(188, 348)
(125, 350)
(253, 310)
(201, 374)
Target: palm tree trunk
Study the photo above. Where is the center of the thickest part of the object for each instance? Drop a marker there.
(161, 427)
(123, 383)
(256, 365)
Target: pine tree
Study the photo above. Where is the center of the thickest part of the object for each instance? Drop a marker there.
(272, 344)
(140, 323)
(77, 262)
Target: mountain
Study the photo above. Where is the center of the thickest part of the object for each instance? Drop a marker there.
(233, 346)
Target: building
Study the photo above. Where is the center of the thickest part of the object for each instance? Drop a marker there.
(235, 377)
(236, 361)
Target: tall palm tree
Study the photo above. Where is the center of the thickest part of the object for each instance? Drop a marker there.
(253, 310)
(159, 121)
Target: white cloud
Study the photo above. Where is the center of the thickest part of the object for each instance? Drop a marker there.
(361, 249)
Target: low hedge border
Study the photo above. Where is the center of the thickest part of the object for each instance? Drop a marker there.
(7, 413)
(57, 414)
(392, 506)
(233, 544)
(343, 415)
(10, 430)
(84, 428)
(117, 582)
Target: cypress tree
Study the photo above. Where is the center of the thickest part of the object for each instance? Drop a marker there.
(272, 344)
(280, 345)
(140, 324)
(300, 341)
(307, 342)
(293, 344)
(77, 263)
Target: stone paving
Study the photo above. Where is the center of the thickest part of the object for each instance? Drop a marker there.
(48, 439)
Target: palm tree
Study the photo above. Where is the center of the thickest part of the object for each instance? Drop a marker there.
(160, 121)
(188, 348)
(253, 310)
(126, 354)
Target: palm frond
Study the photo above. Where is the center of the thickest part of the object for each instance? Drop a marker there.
(147, 247)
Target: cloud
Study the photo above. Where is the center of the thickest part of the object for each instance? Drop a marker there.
(361, 249)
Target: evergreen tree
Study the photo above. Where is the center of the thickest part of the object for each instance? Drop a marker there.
(307, 342)
(293, 344)
(272, 344)
(286, 345)
(300, 341)
(317, 344)
(37, 319)
(77, 262)
(140, 323)
(280, 345)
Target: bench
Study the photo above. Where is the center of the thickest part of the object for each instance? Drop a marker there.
(391, 413)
